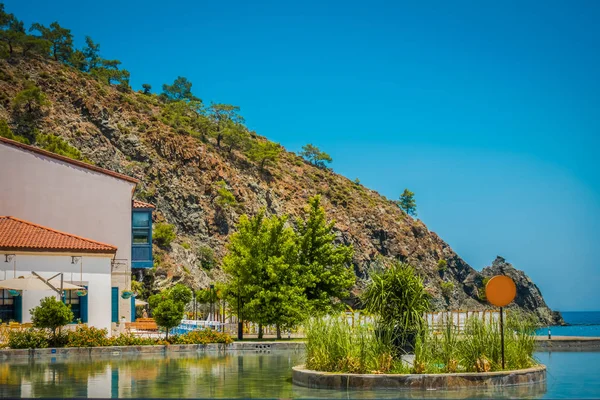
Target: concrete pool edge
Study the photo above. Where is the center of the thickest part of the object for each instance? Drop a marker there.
(6, 354)
(484, 380)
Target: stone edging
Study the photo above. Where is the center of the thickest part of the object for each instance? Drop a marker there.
(6, 354)
(484, 380)
(567, 343)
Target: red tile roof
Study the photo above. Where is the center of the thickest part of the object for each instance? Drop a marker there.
(16, 234)
(141, 204)
(67, 160)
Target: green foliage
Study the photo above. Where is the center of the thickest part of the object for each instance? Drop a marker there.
(60, 39)
(264, 153)
(51, 314)
(262, 262)
(147, 88)
(108, 72)
(7, 133)
(447, 288)
(206, 256)
(407, 202)
(235, 136)
(224, 117)
(28, 339)
(224, 197)
(325, 265)
(163, 234)
(31, 99)
(57, 145)
(91, 53)
(398, 296)
(77, 60)
(186, 245)
(87, 336)
(168, 314)
(442, 265)
(180, 294)
(315, 156)
(333, 345)
(204, 336)
(181, 89)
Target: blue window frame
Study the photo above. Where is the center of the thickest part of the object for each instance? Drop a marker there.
(141, 238)
(7, 306)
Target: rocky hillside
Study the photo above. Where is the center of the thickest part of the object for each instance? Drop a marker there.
(124, 131)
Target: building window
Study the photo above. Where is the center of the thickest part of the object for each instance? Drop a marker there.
(141, 219)
(72, 299)
(141, 237)
(7, 306)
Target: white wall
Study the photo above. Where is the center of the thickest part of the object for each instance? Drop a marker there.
(96, 275)
(71, 199)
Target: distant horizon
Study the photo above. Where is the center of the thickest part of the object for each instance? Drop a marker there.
(488, 112)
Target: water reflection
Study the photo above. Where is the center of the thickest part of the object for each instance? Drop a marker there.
(217, 375)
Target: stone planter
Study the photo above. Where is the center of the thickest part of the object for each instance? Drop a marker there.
(467, 380)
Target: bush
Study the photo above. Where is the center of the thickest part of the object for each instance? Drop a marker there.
(87, 337)
(206, 256)
(168, 314)
(28, 339)
(447, 288)
(442, 265)
(127, 339)
(51, 314)
(204, 336)
(163, 234)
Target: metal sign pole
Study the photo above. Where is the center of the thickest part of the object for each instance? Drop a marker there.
(502, 335)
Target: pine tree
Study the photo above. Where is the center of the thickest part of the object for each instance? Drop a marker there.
(407, 202)
(60, 38)
(324, 264)
(264, 152)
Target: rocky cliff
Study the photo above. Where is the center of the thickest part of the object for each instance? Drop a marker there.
(124, 131)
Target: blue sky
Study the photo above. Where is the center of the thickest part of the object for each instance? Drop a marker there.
(488, 111)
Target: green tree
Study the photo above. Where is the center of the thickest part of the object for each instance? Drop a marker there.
(224, 117)
(262, 262)
(180, 293)
(326, 266)
(51, 314)
(235, 137)
(168, 314)
(109, 73)
(315, 156)
(147, 88)
(91, 52)
(77, 60)
(264, 152)
(181, 89)
(163, 234)
(32, 99)
(407, 202)
(12, 32)
(60, 38)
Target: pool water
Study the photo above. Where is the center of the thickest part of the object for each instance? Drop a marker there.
(249, 375)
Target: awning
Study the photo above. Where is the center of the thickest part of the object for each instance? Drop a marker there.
(32, 282)
(140, 303)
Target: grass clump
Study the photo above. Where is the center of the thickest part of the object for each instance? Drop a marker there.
(333, 345)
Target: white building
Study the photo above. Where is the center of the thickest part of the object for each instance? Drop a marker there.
(80, 201)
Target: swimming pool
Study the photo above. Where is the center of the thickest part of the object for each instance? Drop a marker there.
(246, 374)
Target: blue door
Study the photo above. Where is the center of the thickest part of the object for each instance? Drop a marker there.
(115, 304)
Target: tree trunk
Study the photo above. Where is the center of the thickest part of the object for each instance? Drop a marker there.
(278, 331)
(260, 331)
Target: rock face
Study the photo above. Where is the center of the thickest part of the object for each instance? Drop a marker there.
(127, 132)
(529, 296)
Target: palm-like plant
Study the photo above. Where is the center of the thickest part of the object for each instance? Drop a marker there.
(398, 296)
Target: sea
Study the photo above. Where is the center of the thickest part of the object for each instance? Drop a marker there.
(581, 323)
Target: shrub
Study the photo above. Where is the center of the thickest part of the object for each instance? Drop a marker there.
(28, 339)
(127, 339)
(85, 336)
(206, 256)
(442, 265)
(398, 296)
(163, 234)
(447, 288)
(186, 245)
(204, 336)
(51, 314)
(168, 314)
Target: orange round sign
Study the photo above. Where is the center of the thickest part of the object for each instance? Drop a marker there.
(500, 290)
